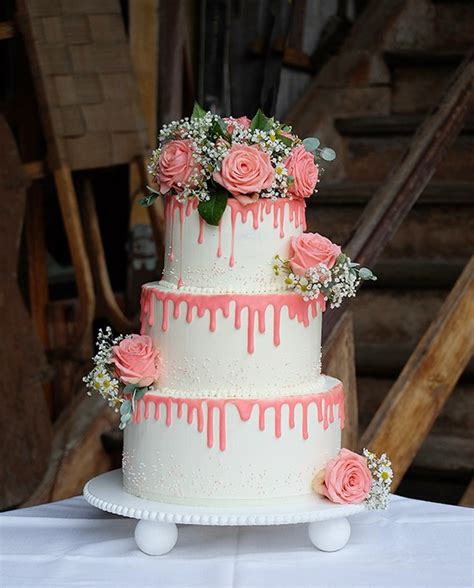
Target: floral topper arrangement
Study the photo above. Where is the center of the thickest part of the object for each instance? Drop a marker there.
(316, 267)
(213, 158)
(350, 478)
(125, 367)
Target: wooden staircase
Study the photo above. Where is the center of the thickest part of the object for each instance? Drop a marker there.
(428, 253)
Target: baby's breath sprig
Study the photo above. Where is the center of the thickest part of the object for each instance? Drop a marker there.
(382, 476)
(102, 378)
(333, 284)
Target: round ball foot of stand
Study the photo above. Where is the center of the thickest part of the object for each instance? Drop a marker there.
(155, 538)
(330, 535)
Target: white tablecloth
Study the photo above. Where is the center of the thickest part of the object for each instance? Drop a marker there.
(70, 543)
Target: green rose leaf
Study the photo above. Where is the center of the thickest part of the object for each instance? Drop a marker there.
(261, 122)
(218, 129)
(212, 210)
(287, 141)
(327, 154)
(148, 199)
(198, 111)
(311, 144)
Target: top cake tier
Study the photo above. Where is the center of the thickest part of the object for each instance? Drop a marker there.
(234, 257)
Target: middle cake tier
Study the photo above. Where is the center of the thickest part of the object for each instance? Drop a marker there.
(226, 345)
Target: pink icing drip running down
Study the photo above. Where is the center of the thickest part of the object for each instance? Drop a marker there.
(324, 403)
(253, 304)
(258, 210)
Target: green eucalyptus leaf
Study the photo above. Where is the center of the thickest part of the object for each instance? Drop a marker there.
(129, 388)
(261, 122)
(286, 128)
(327, 154)
(139, 393)
(212, 210)
(198, 111)
(366, 274)
(311, 144)
(125, 407)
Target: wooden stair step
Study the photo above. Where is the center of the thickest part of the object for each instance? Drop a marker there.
(431, 231)
(418, 273)
(373, 157)
(347, 192)
(419, 78)
(394, 317)
(456, 418)
(427, 57)
(386, 359)
(394, 124)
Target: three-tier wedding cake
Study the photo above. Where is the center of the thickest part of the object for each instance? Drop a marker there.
(221, 395)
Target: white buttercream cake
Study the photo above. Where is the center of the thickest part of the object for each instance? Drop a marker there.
(241, 411)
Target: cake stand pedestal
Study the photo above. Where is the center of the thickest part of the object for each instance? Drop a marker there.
(156, 532)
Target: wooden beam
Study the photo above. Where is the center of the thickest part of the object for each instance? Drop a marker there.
(408, 412)
(35, 170)
(7, 30)
(468, 496)
(72, 224)
(339, 361)
(24, 418)
(77, 454)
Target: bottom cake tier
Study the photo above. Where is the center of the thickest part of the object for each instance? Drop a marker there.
(203, 451)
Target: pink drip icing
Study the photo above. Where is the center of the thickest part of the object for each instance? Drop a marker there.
(201, 231)
(297, 308)
(324, 401)
(258, 210)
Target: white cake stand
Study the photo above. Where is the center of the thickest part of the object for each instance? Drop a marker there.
(156, 532)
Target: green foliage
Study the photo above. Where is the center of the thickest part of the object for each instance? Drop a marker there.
(261, 122)
(198, 111)
(311, 144)
(327, 154)
(218, 129)
(287, 141)
(212, 210)
(149, 198)
(366, 274)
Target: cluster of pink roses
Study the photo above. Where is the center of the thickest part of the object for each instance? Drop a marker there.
(136, 361)
(245, 169)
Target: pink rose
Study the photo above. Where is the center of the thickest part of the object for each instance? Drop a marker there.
(301, 167)
(176, 164)
(347, 478)
(310, 249)
(246, 169)
(136, 360)
(232, 122)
